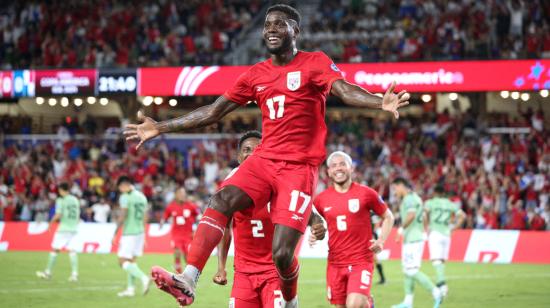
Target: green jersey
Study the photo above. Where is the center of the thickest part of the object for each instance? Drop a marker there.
(136, 204)
(69, 209)
(441, 210)
(412, 203)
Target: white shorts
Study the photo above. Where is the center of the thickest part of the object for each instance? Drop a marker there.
(440, 245)
(131, 246)
(63, 240)
(411, 255)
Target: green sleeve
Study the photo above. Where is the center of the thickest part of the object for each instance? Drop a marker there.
(58, 206)
(123, 201)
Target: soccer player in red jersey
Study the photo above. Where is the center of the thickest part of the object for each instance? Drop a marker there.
(256, 281)
(291, 89)
(183, 214)
(346, 207)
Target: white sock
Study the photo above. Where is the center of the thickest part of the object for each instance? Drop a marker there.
(436, 293)
(191, 272)
(409, 299)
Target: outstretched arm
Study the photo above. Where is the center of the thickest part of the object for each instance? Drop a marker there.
(200, 117)
(356, 96)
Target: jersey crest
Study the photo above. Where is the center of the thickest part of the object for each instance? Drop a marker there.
(293, 80)
(353, 205)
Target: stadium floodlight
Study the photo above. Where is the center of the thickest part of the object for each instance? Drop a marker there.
(40, 100)
(515, 95)
(453, 96)
(64, 102)
(147, 100)
(103, 101)
(172, 102)
(52, 101)
(78, 102)
(426, 98)
(91, 100)
(504, 94)
(158, 100)
(544, 93)
(525, 96)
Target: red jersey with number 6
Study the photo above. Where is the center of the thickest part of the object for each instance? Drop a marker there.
(349, 222)
(183, 217)
(292, 100)
(253, 237)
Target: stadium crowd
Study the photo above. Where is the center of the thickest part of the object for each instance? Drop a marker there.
(500, 180)
(114, 33)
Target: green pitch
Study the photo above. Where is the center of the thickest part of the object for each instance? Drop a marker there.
(471, 285)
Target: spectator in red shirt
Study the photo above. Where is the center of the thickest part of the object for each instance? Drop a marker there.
(517, 216)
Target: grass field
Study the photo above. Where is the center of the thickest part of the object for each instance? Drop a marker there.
(471, 285)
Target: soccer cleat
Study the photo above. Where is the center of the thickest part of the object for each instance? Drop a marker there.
(43, 275)
(73, 278)
(437, 302)
(401, 305)
(146, 282)
(127, 293)
(180, 289)
(290, 304)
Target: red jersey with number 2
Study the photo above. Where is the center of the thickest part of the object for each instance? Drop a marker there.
(253, 237)
(183, 217)
(349, 222)
(292, 100)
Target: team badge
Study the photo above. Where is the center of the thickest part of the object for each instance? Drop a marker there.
(353, 205)
(334, 67)
(186, 213)
(293, 80)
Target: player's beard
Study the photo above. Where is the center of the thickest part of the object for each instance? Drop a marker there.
(286, 45)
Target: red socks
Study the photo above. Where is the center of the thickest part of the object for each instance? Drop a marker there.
(289, 280)
(177, 265)
(209, 233)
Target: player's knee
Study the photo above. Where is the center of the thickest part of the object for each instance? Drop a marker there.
(357, 302)
(410, 271)
(282, 256)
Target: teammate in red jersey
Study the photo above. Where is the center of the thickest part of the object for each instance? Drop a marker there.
(346, 207)
(256, 282)
(291, 89)
(183, 214)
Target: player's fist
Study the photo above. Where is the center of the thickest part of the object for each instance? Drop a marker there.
(318, 231)
(376, 246)
(220, 277)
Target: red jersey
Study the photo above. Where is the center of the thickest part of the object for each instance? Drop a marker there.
(252, 237)
(292, 100)
(183, 217)
(349, 222)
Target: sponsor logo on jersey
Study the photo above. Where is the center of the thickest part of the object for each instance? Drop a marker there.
(293, 80)
(353, 205)
(260, 88)
(328, 208)
(296, 217)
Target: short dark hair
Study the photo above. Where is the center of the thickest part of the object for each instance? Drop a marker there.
(249, 134)
(124, 179)
(290, 12)
(63, 186)
(401, 180)
(439, 189)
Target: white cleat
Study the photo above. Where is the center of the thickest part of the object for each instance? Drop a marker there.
(43, 275)
(146, 282)
(127, 293)
(290, 304)
(73, 278)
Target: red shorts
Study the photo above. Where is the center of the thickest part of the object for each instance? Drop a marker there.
(287, 185)
(182, 244)
(343, 280)
(256, 290)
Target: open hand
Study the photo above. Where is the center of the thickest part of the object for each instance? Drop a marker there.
(391, 101)
(142, 132)
(220, 277)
